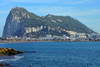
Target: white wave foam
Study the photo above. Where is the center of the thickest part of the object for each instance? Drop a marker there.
(12, 58)
(17, 58)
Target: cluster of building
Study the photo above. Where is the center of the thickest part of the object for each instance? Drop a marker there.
(74, 36)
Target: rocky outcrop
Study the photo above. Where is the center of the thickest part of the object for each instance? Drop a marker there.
(22, 23)
(14, 24)
(2, 65)
(9, 51)
(33, 29)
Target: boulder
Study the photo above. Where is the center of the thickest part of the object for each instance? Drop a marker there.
(1, 65)
(7, 64)
(34, 51)
(9, 51)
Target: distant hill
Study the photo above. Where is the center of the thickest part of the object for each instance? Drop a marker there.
(22, 23)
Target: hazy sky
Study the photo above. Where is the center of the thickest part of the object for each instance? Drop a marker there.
(86, 11)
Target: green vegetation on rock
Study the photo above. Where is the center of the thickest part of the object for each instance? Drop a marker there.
(9, 51)
(19, 19)
(64, 22)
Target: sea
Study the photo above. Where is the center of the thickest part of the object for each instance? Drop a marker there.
(53, 54)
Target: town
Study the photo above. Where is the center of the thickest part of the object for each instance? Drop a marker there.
(74, 36)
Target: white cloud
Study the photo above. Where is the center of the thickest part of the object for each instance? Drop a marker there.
(79, 2)
(50, 1)
(32, 1)
(60, 10)
(80, 13)
(4, 12)
(88, 12)
(23, 0)
(3, 3)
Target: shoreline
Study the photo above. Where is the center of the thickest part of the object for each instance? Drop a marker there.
(47, 41)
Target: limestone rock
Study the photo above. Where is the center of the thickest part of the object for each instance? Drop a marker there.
(23, 23)
(14, 24)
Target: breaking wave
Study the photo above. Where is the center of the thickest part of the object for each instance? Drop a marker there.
(10, 58)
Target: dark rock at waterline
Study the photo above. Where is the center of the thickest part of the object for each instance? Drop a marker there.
(9, 51)
(30, 51)
(2, 65)
(7, 64)
(34, 51)
(20, 51)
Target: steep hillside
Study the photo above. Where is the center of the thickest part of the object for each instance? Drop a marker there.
(22, 23)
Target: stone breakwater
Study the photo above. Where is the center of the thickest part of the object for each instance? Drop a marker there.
(9, 51)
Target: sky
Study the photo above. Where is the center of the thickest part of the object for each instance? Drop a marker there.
(86, 11)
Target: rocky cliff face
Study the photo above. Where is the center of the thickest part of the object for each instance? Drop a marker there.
(14, 24)
(22, 23)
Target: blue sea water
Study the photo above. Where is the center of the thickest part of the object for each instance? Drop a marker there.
(54, 54)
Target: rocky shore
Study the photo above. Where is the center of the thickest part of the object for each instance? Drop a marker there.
(6, 64)
(8, 52)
